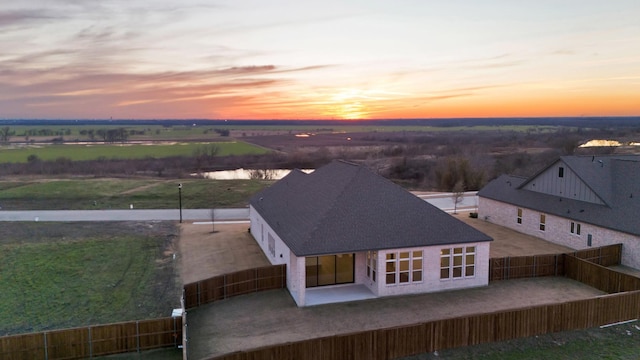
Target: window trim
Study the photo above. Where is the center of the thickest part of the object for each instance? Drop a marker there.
(372, 265)
(462, 252)
(561, 171)
(543, 222)
(575, 228)
(394, 267)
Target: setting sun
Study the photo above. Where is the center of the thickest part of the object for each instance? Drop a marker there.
(318, 60)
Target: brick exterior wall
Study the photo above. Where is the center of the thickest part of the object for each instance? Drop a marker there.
(296, 280)
(557, 229)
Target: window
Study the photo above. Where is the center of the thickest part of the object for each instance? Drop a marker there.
(519, 219)
(391, 268)
(272, 244)
(404, 267)
(457, 262)
(561, 171)
(575, 228)
(372, 264)
(543, 222)
(329, 269)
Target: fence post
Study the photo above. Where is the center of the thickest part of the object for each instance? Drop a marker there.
(90, 344)
(224, 286)
(46, 347)
(600, 263)
(508, 268)
(138, 335)
(198, 291)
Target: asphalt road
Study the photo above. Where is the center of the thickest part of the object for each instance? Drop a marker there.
(124, 215)
(443, 201)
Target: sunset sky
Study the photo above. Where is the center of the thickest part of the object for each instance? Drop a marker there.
(329, 59)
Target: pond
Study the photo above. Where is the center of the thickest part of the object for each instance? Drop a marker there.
(245, 174)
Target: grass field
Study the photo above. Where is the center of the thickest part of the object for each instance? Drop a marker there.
(118, 151)
(94, 194)
(616, 342)
(61, 275)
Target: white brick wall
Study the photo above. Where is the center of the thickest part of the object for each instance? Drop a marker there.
(431, 272)
(296, 280)
(557, 229)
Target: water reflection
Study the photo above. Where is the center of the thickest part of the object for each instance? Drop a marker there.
(245, 174)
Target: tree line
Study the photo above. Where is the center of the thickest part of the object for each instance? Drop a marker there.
(444, 162)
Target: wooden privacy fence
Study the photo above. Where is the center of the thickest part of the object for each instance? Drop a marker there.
(93, 341)
(391, 343)
(549, 265)
(234, 284)
(587, 266)
(599, 277)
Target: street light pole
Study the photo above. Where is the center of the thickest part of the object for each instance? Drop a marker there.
(180, 200)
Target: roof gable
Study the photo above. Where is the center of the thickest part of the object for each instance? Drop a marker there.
(344, 207)
(559, 179)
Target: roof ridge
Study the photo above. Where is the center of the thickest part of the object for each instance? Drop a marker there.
(334, 202)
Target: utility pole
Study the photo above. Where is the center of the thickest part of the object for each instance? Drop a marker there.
(180, 200)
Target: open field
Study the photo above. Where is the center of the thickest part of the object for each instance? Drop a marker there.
(61, 275)
(94, 194)
(121, 151)
(188, 131)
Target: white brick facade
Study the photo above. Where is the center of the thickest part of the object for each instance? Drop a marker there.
(279, 253)
(558, 229)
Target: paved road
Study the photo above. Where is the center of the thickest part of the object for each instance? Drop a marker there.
(443, 201)
(123, 215)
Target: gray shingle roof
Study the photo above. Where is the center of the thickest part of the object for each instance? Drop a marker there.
(615, 179)
(343, 207)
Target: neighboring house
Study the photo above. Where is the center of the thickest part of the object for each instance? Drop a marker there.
(343, 224)
(577, 201)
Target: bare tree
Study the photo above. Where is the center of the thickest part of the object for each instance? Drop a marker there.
(457, 195)
(5, 133)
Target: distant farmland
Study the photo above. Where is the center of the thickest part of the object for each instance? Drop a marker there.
(121, 151)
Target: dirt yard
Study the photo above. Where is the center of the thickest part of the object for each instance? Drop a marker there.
(507, 242)
(226, 326)
(204, 254)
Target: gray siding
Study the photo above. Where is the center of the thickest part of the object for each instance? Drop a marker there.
(569, 186)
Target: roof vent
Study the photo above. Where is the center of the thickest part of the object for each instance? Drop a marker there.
(601, 163)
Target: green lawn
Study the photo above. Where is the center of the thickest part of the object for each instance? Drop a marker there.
(68, 275)
(120, 193)
(616, 342)
(119, 151)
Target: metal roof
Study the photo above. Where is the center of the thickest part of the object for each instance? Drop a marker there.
(344, 207)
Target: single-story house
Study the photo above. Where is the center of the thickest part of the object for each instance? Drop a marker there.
(576, 201)
(343, 225)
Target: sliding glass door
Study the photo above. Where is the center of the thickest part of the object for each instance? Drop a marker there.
(330, 270)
